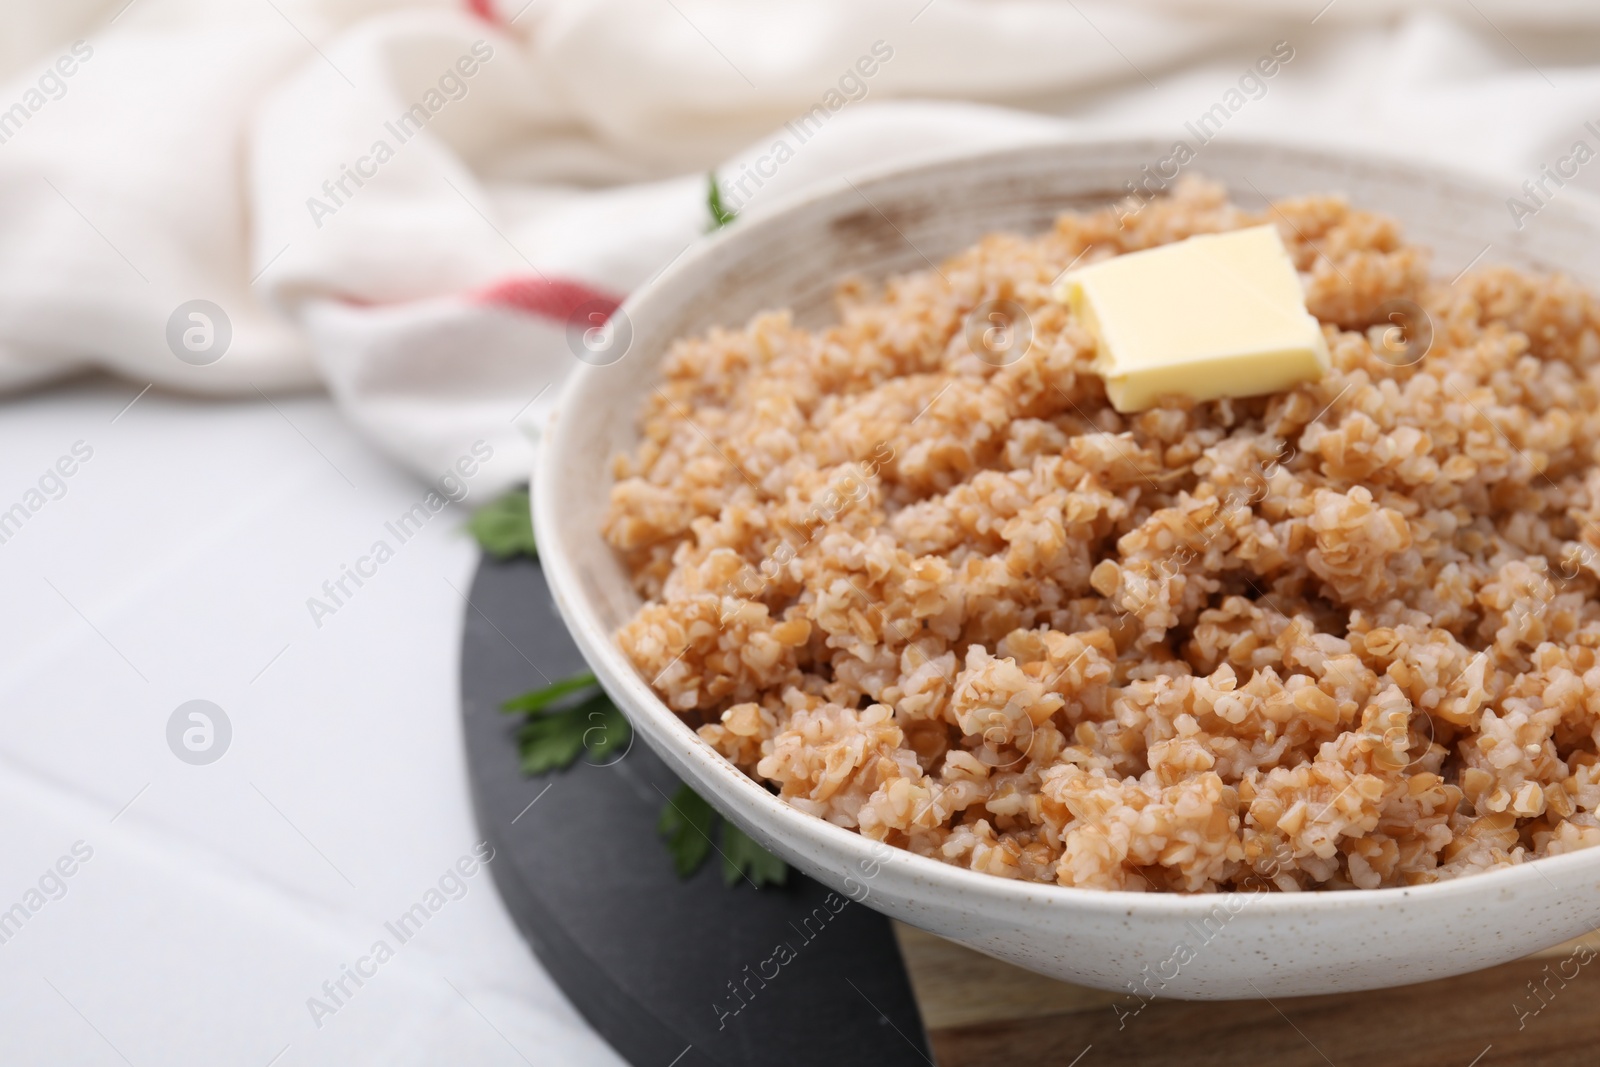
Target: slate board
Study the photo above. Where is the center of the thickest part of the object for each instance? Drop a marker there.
(672, 973)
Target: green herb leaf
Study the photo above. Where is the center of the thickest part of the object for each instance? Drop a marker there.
(572, 716)
(686, 824)
(721, 215)
(550, 742)
(504, 527)
(552, 738)
(743, 858)
(606, 727)
(540, 699)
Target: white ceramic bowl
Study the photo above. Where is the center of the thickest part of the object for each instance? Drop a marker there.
(1197, 947)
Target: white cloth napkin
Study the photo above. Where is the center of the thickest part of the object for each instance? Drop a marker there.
(422, 207)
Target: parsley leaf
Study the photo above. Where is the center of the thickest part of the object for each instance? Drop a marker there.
(549, 742)
(721, 215)
(504, 527)
(539, 699)
(608, 728)
(572, 716)
(552, 738)
(686, 824)
(743, 858)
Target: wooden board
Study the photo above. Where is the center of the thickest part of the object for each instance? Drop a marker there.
(980, 1012)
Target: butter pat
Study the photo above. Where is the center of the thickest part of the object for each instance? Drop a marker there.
(1219, 315)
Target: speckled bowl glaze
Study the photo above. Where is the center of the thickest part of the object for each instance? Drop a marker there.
(1197, 947)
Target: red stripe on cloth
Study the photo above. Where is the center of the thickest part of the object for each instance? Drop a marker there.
(484, 9)
(552, 298)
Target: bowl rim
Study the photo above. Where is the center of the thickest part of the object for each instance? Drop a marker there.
(640, 702)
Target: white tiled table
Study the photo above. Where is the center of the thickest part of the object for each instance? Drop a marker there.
(220, 897)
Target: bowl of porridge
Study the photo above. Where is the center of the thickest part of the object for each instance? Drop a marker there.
(1295, 689)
